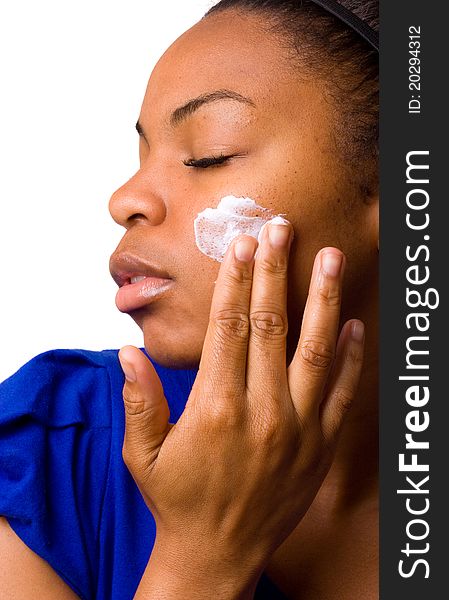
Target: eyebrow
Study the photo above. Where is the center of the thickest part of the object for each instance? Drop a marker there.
(187, 109)
(182, 112)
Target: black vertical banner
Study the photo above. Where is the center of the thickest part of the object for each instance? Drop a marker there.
(414, 434)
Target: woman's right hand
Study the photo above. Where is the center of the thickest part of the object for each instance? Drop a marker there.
(234, 476)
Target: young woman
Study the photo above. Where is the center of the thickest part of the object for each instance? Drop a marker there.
(246, 479)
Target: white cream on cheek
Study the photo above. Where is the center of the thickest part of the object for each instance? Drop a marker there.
(215, 228)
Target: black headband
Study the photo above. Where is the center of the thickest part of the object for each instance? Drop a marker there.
(345, 15)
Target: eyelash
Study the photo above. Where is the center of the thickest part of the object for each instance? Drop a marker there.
(209, 161)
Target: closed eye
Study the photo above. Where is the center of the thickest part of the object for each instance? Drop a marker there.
(209, 161)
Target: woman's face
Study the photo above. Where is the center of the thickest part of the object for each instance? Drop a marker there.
(279, 129)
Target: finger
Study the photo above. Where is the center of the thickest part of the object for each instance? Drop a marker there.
(223, 360)
(343, 381)
(268, 310)
(146, 410)
(311, 364)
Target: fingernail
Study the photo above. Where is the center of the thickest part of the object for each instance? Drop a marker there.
(245, 249)
(128, 370)
(357, 331)
(279, 234)
(331, 263)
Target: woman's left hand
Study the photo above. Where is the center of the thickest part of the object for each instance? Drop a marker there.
(242, 465)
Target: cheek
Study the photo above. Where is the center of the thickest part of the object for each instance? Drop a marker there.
(215, 228)
(196, 276)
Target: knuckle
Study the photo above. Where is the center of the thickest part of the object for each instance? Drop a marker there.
(225, 414)
(266, 427)
(231, 323)
(272, 429)
(273, 265)
(355, 357)
(342, 400)
(268, 324)
(135, 404)
(238, 274)
(316, 353)
(328, 292)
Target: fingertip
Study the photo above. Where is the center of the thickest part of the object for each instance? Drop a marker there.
(245, 247)
(331, 250)
(125, 357)
(127, 352)
(134, 356)
(357, 331)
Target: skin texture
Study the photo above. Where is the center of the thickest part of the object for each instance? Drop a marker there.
(291, 169)
(287, 161)
(270, 433)
(16, 561)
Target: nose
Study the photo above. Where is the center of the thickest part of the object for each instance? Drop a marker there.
(137, 200)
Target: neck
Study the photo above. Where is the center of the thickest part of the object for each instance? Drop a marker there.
(353, 475)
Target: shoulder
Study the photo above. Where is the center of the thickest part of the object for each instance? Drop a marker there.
(57, 388)
(63, 485)
(63, 386)
(55, 438)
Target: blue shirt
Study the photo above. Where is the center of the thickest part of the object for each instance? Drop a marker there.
(64, 487)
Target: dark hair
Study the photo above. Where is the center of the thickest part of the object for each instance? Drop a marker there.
(326, 46)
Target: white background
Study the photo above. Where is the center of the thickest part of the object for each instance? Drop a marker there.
(73, 75)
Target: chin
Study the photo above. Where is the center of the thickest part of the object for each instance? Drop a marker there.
(171, 340)
(179, 355)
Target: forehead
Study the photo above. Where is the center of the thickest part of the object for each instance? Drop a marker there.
(224, 51)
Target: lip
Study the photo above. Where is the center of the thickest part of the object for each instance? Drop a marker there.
(132, 296)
